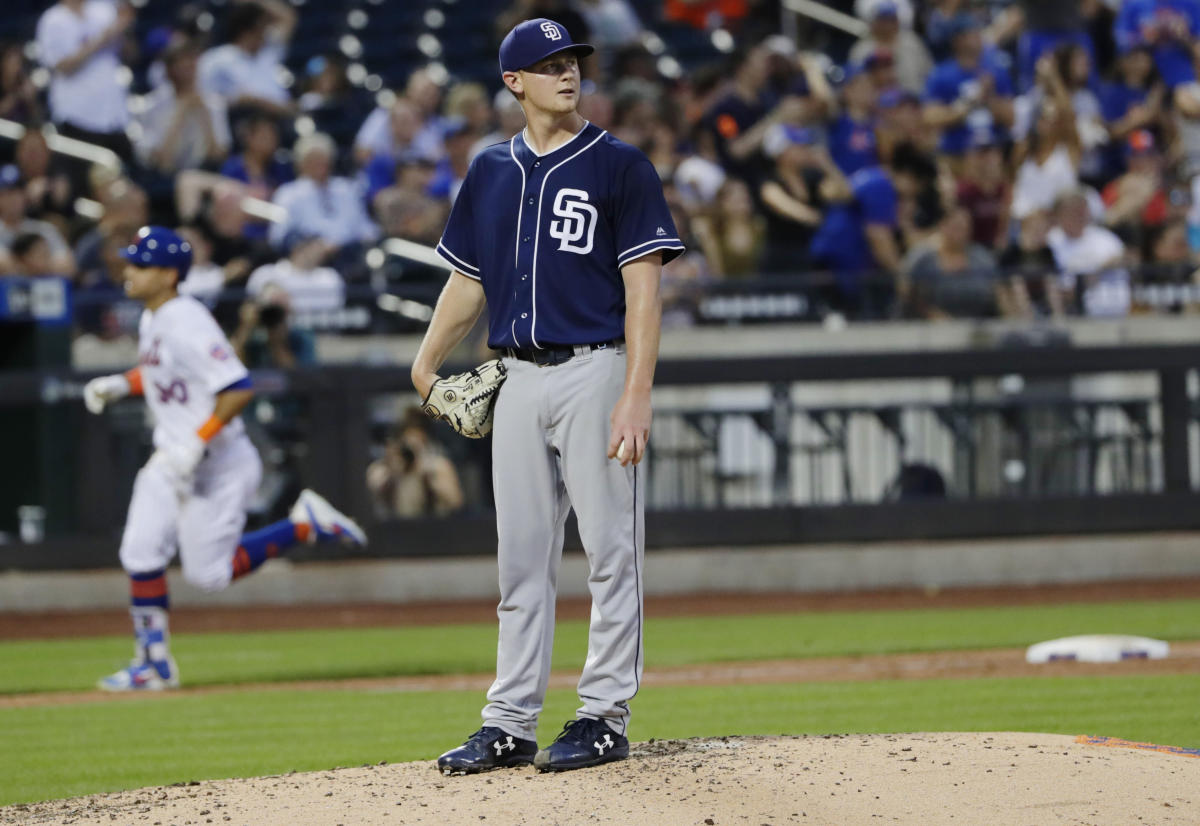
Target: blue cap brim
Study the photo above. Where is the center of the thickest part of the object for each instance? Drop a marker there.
(132, 258)
(584, 49)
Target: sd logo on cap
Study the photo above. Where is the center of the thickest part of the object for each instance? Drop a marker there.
(535, 39)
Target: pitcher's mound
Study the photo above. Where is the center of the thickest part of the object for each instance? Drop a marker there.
(846, 779)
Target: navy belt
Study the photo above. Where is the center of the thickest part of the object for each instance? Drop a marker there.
(550, 356)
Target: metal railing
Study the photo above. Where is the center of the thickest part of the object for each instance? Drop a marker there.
(765, 450)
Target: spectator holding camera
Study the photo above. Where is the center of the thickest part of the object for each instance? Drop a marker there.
(414, 478)
(264, 337)
(310, 286)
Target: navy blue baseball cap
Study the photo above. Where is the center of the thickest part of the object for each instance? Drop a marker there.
(535, 39)
(159, 247)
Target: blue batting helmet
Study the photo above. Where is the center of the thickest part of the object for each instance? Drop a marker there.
(159, 247)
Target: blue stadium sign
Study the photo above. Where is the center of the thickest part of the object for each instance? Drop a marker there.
(42, 300)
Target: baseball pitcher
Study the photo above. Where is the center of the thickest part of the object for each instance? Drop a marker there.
(561, 232)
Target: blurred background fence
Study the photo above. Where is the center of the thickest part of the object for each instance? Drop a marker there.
(781, 449)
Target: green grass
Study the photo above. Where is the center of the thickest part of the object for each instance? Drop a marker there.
(59, 751)
(63, 750)
(213, 659)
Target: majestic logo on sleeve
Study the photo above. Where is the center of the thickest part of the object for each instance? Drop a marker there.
(578, 221)
(551, 31)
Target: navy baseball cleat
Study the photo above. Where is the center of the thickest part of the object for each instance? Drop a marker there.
(583, 742)
(487, 749)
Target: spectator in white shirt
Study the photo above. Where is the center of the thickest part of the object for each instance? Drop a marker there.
(910, 57)
(311, 287)
(79, 42)
(182, 127)
(245, 71)
(375, 137)
(613, 24)
(319, 204)
(1090, 258)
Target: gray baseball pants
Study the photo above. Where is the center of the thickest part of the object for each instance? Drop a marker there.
(549, 452)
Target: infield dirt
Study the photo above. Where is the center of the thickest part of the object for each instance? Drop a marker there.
(940, 778)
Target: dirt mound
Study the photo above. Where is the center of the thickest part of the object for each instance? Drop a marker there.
(848, 779)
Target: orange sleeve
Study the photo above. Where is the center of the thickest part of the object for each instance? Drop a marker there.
(134, 377)
(210, 428)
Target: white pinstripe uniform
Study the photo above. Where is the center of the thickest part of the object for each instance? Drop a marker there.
(185, 360)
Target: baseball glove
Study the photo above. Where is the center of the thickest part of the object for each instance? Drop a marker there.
(465, 401)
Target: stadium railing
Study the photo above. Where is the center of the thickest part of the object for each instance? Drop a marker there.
(767, 450)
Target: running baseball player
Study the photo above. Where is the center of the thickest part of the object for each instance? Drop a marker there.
(562, 232)
(193, 491)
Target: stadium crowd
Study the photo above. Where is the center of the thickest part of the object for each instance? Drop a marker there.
(1017, 159)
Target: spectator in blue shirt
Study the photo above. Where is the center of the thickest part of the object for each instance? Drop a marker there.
(1045, 26)
(858, 239)
(1133, 100)
(406, 128)
(320, 204)
(451, 170)
(852, 133)
(1169, 27)
(968, 92)
(258, 165)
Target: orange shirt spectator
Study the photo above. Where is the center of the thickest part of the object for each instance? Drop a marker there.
(701, 13)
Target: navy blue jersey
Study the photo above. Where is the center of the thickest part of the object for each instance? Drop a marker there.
(547, 236)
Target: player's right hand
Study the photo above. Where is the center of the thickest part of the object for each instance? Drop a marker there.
(100, 391)
(178, 463)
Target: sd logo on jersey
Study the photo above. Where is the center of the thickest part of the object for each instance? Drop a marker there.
(579, 221)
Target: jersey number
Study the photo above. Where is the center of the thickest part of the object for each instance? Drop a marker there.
(578, 221)
(176, 391)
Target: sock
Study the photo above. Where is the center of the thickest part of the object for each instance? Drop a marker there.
(267, 543)
(148, 609)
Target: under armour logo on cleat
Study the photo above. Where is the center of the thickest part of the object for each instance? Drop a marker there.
(507, 745)
(660, 232)
(607, 743)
